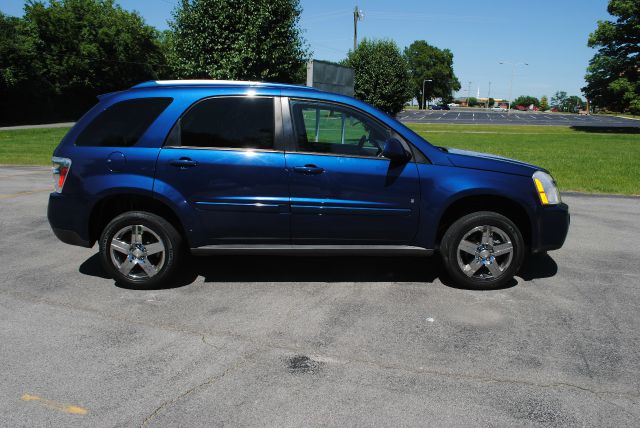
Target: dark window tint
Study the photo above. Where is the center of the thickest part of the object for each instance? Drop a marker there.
(328, 128)
(123, 123)
(234, 122)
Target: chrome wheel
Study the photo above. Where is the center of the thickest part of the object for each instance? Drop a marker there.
(485, 252)
(137, 252)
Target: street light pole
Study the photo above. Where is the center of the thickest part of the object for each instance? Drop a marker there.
(513, 73)
(423, 93)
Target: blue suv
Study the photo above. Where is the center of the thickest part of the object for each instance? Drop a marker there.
(169, 168)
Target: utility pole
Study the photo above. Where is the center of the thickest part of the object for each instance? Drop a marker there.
(489, 95)
(358, 15)
(513, 74)
(468, 94)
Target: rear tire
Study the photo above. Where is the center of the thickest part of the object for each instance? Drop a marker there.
(482, 250)
(140, 249)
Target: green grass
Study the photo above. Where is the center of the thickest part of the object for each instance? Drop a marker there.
(579, 161)
(601, 162)
(29, 146)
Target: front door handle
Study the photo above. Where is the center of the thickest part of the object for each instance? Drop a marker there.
(308, 169)
(183, 163)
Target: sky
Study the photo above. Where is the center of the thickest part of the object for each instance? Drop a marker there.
(549, 35)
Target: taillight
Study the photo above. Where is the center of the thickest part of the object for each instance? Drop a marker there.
(60, 170)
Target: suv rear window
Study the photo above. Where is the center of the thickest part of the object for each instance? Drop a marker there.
(230, 122)
(123, 123)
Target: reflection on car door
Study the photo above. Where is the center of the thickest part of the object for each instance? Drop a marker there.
(342, 191)
(222, 157)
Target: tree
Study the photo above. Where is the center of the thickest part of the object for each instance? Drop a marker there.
(473, 101)
(491, 102)
(64, 52)
(20, 68)
(381, 74)
(573, 104)
(559, 99)
(526, 101)
(544, 103)
(613, 74)
(567, 103)
(230, 39)
(427, 62)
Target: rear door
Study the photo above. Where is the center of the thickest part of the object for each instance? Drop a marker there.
(342, 190)
(224, 160)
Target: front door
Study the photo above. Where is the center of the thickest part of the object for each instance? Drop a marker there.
(222, 160)
(342, 190)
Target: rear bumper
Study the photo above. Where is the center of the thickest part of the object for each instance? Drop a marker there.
(71, 237)
(552, 226)
(68, 220)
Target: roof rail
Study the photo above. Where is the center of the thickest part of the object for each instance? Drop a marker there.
(206, 82)
(194, 82)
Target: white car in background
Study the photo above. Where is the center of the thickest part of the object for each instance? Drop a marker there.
(498, 108)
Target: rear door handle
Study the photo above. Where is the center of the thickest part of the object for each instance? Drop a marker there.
(183, 163)
(308, 169)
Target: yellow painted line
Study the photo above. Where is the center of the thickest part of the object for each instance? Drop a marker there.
(26, 192)
(65, 408)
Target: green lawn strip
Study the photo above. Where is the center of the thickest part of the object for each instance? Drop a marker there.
(29, 146)
(579, 161)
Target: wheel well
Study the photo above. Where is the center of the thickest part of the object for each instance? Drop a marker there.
(108, 208)
(501, 205)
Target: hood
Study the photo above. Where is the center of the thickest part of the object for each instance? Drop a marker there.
(488, 162)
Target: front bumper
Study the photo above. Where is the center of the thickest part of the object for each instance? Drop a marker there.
(552, 226)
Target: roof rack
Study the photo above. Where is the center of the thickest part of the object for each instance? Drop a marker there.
(206, 82)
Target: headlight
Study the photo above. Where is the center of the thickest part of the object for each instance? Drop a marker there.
(546, 188)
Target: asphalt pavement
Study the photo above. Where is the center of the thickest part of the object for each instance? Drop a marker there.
(40, 126)
(279, 341)
(490, 117)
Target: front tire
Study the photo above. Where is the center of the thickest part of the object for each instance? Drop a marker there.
(140, 249)
(482, 250)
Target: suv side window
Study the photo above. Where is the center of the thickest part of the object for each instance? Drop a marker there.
(230, 122)
(333, 129)
(123, 123)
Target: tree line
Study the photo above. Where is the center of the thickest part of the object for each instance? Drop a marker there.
(61, 54)
(560, 102)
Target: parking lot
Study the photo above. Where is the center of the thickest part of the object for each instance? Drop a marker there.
(483, 116)
(283, 341)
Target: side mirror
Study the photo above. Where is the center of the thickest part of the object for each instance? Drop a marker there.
(395, 151)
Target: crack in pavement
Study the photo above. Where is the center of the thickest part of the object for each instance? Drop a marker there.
(210, 380)
(297, 350)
